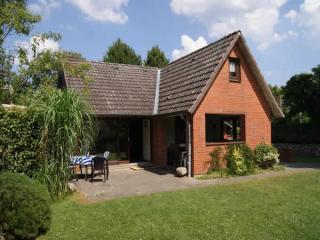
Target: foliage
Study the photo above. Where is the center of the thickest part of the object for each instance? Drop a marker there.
(18, 141)
(15, 18)
(249, 156)
(24, 207)
(302, 94)
(120, 52)
(216, 159)
(156, 58)
(43, 67)
(236, 161)
(285, 131)
(266, 155)
(240, 159)
(66, 126)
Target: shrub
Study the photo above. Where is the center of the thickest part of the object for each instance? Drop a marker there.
(236, 161)
(248, 157)
(24, 207)
(19, 136)
(266, 155)
(216, 159)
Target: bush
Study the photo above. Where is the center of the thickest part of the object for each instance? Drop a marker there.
(24, 207)
(18, 141)
(216, 156)
(266, 155)
(236, 161)
(248, 157)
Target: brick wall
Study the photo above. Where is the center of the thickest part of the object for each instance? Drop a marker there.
(225, 97)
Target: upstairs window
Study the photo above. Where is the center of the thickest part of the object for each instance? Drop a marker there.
(234, 69)
(224, 128)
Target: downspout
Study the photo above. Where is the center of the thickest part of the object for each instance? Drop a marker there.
(189, 148)
(188, 142)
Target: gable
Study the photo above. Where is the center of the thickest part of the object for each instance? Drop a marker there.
(183, 80)
(240, 48)
(229, 97)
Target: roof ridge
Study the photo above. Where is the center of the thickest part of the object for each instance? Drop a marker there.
(123, 64)
(210, 44)
(75, 59)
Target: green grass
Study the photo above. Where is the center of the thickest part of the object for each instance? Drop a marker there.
(307, 159)
(286, 207)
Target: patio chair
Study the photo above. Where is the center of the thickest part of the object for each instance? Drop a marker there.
(100, 165)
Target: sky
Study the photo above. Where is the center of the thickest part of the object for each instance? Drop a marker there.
(283, 35)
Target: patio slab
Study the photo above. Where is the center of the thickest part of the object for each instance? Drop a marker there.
(125, 182)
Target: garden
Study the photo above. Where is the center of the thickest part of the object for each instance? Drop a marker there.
(241, 160)
(36, 143)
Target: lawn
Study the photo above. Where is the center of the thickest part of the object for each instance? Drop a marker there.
(285, 207)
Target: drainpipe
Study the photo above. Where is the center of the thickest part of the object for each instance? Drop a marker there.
(189, 148)
(188, 142)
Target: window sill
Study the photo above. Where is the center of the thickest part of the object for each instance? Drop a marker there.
(224, 143)
(235, 80)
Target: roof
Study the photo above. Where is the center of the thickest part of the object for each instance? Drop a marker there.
(183, 80)
(117, 89)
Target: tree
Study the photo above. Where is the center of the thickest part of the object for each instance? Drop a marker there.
(156, 58)
(43, 67)
(302, 94)
(120, 52)
(15, 18)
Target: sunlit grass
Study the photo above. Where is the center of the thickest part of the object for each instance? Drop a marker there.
(285, 207)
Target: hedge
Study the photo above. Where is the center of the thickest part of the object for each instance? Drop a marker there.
(284, 132)
(19, 134)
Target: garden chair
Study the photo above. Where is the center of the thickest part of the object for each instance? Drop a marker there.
(100, 165)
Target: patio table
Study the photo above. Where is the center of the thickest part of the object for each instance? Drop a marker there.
(83, 160)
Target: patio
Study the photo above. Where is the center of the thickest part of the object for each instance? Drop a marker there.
(124, 181)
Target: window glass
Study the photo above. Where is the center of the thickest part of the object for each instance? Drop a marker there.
(224, 128)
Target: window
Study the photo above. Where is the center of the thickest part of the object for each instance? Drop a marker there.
(234, 69)
(224, 128)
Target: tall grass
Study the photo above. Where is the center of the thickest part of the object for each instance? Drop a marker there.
(67, 127)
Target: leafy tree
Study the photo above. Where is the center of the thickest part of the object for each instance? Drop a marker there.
(156, 58)
(302, 94)
(15, 18)
(43, 67)
(120, 52)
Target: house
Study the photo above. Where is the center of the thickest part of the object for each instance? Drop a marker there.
(214, 96)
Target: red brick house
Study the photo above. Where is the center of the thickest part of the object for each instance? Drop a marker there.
(214, 96)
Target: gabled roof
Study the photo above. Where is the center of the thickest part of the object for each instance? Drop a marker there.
(119, 89)
(183, 80)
